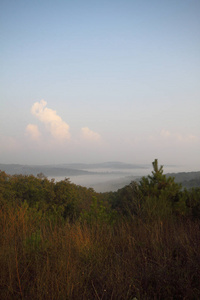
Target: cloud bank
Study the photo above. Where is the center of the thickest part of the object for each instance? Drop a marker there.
(53, 123)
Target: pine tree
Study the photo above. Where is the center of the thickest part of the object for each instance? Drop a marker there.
(159, 184)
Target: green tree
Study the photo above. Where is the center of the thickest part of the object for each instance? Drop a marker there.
(162, 194)
(159, 184)
(127, 200)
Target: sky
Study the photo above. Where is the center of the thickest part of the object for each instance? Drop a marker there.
(94, 81)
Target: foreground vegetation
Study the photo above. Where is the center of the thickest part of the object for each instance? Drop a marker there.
(63, 241)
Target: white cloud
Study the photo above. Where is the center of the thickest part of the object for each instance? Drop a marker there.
(54, 123)
(33, 131)
(88, 134)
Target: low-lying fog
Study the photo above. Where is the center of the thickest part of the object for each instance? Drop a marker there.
(112, 179)
(102, 177)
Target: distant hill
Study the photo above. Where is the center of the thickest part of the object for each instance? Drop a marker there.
(187, 179)
(68, 169)
(13, 169)
(104, 165)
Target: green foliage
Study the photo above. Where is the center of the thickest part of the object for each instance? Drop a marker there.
(98, 213)
(57, 200)
(128, 200)
(163, 190)
(192, 200)
(159, 185)
(156, 196)
(6, 193)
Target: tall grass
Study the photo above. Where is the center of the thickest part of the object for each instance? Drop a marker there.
(42, 259)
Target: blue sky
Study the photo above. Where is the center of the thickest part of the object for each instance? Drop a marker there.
(94, 81)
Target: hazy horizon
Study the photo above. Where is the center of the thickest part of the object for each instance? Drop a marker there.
(90, 82)
(101, 177)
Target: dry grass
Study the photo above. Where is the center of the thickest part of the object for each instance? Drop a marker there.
(41, 260)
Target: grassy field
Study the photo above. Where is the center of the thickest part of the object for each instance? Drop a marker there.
(44, 260)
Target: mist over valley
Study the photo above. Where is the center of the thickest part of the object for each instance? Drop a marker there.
(102, 177)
